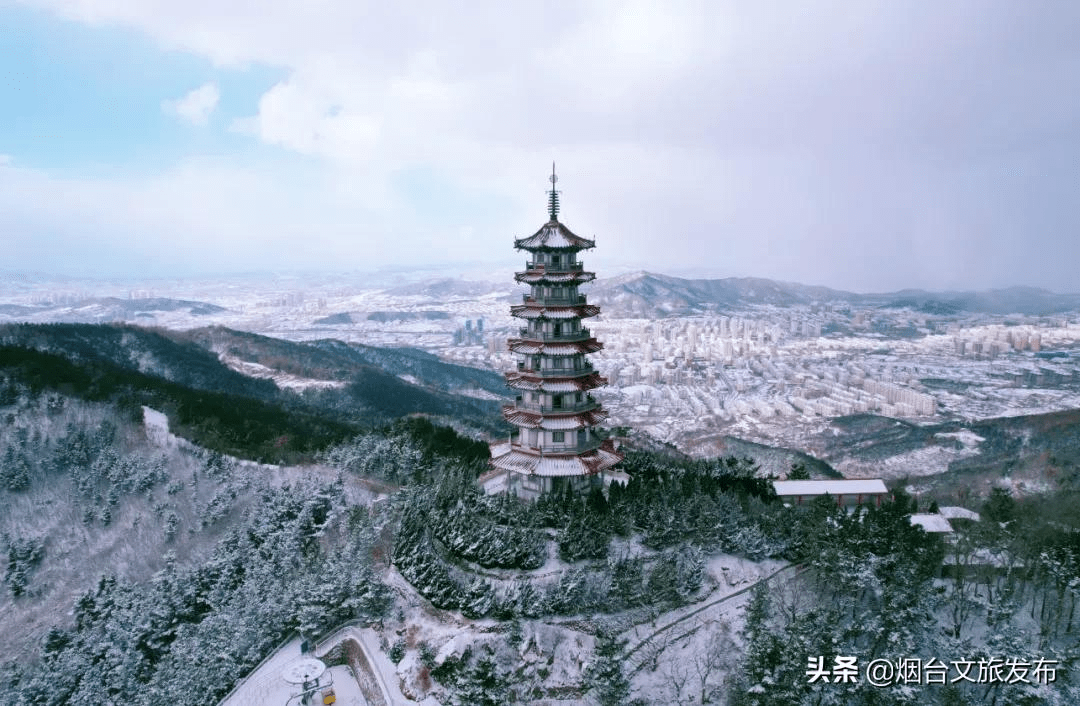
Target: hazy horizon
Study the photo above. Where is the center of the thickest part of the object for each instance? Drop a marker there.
(866, 147)
(470, 272)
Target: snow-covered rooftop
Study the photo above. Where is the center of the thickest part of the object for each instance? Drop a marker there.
(534, 276)
(860, 486)
(954, 512)
(540, 311)
(586, 382)
(584, 464)
(556, 236)
(531, 347)
(932, 522)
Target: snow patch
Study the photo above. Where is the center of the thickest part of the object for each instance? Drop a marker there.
(285, 381)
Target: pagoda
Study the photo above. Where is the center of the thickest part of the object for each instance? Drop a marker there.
(557, 440)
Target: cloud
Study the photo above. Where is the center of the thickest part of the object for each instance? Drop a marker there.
(865, 145)
(196, 106)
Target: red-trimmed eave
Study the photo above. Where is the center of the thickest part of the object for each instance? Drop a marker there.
(589, 345)
(530, 420)
(554, 277)
(522, 381)
(540, 311)
(592, 461)
(554, 236)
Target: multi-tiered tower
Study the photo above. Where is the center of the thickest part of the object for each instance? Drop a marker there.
(557, 439)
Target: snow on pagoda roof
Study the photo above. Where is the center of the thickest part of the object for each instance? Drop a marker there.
(539, 311)
(556, 236)
(532, 277)
(586, 382)
(535, 420)
(859, 486)
(520, 461)
(590, 345)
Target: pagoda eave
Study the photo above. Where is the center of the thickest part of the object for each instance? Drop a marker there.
(519, 459)
(554, 422)
(554, 236)
(526, 346)
(539, 311)
(525, 381)
(541, 276)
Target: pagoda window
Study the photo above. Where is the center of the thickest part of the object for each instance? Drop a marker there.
(558, 437)
(558, 330)
(555, 261)
(556, 401)
(582, 437)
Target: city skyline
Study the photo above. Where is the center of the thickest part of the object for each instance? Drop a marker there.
(864, 147)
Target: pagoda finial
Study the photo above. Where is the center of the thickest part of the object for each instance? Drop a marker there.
(553, 196)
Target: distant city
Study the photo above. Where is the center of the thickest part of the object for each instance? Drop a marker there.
(688, 361)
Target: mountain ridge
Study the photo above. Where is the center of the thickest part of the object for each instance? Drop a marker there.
(666, 295)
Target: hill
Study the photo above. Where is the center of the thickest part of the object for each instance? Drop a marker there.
(1032, 452)
(650, 295)
(226, 410)
(104, 309)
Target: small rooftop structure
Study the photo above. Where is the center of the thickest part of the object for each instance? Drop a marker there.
(953, 512)
(309, 675)
(932, 523)
(854, 491)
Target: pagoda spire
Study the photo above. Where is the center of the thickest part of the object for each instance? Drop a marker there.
(553, 195)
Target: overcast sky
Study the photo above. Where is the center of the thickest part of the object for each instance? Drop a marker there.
(859, 145)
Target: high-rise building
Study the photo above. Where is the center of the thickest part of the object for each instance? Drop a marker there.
(557, 440)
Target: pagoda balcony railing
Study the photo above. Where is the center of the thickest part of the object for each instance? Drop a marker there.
(563, 267)
(583, 334)
(589, 445)
(557, 372)
(553, 300)
(587, 405)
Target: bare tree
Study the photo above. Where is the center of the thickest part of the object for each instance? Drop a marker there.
(677, 675)
(712, 664)
(791, 597)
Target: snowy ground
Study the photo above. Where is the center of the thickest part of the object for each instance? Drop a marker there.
(285, 381)
(266, 687)
(553, 653)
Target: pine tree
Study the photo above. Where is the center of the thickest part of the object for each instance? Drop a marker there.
(604, 677)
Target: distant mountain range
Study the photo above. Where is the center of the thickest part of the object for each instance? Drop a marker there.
(353, 317)
(446, 287)
(637, 294)
(652, 295)
(104, 309)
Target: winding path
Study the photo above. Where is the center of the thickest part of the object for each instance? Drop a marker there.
(742, 591)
